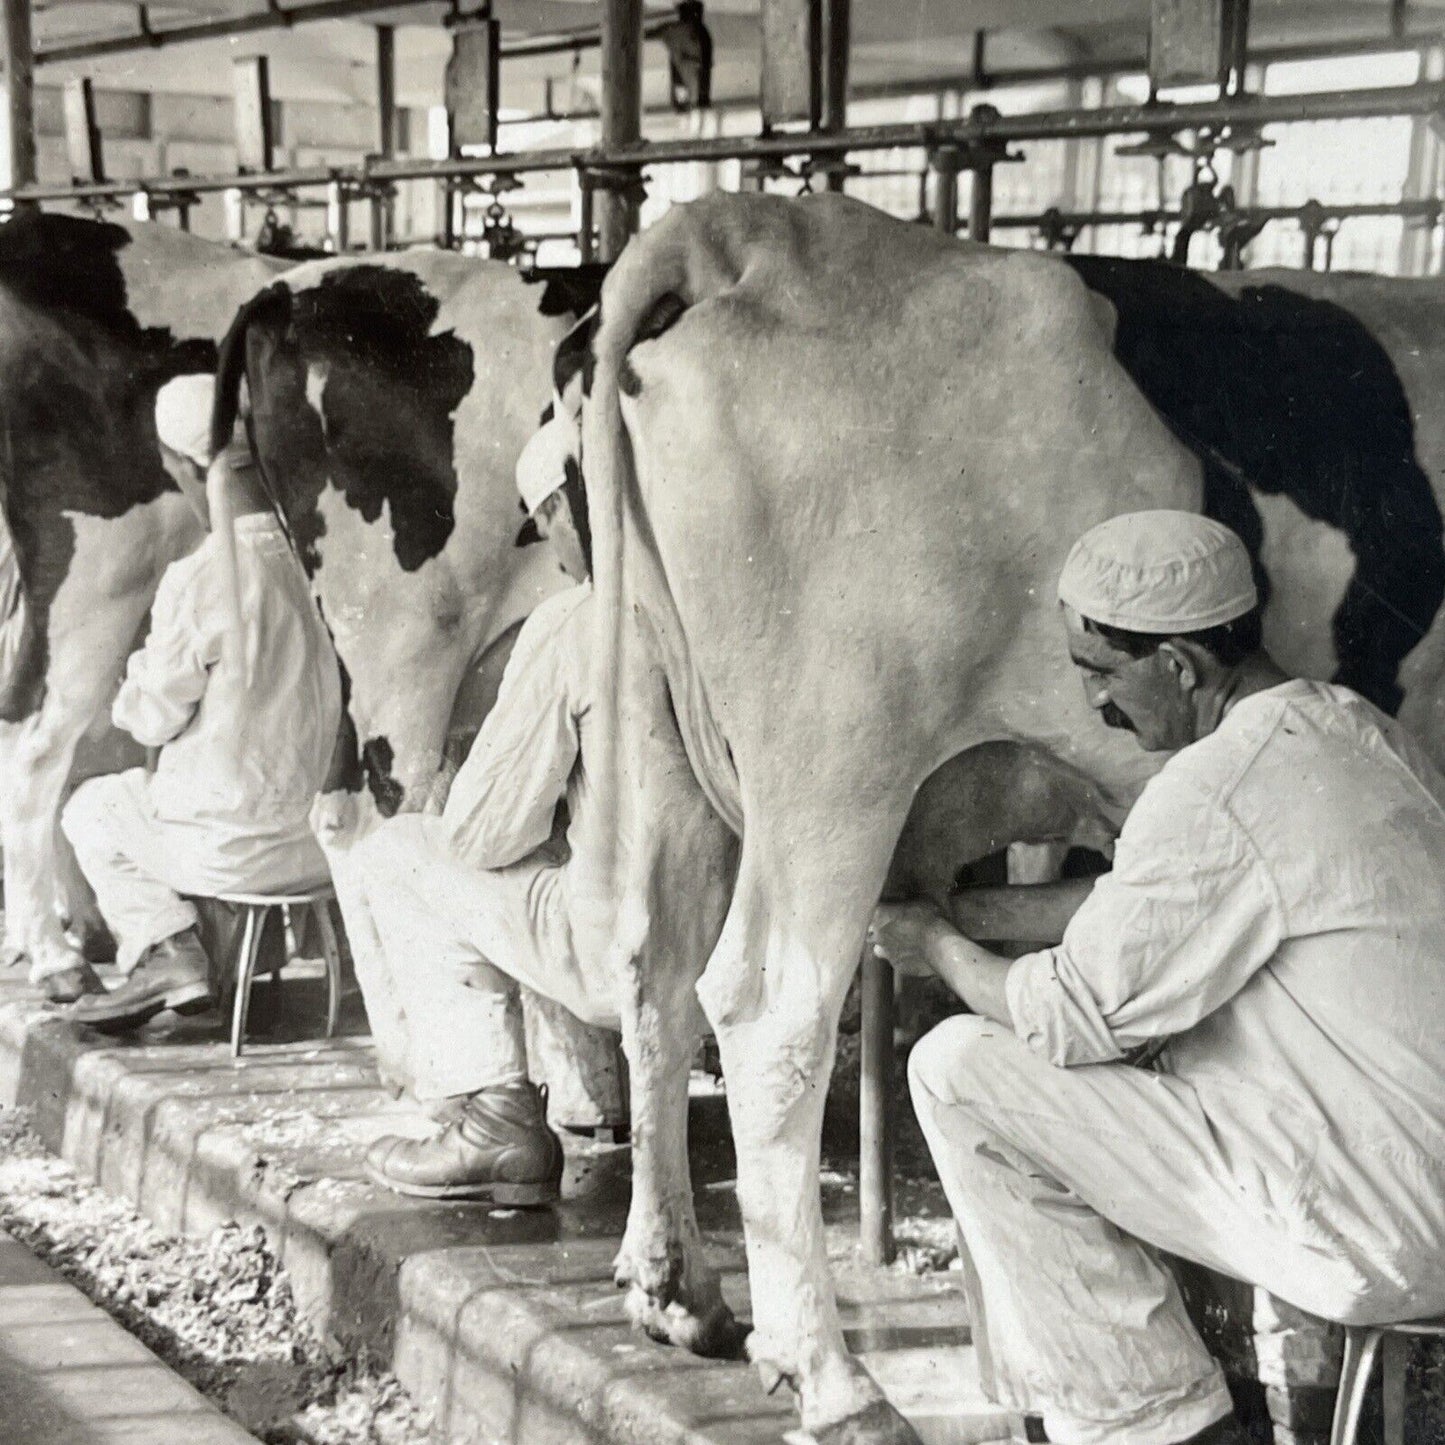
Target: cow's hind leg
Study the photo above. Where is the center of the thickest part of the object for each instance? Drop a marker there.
(773, 991)
(674, 1294)
(678, 888)
(42, 756)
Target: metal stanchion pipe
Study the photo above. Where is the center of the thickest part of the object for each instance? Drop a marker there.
(980, 205)
(875, 1114)
(1046, 125)
(945, 197)
(586, 235)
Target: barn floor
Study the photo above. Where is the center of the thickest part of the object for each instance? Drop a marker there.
(506, 1325)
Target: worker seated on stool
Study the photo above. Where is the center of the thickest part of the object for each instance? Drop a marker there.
(238, 686)
(1275, 921)
(461, 908)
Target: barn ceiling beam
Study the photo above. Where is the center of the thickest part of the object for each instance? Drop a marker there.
(273, 17)
(277, 16)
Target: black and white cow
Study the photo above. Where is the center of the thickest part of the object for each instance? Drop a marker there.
(94, 318)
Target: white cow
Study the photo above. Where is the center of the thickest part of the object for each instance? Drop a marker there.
(835, 464)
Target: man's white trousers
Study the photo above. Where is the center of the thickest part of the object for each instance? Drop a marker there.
(140, 866)
(440, 947)
(1056, 1176)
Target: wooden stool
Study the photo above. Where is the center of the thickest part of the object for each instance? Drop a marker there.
(1362, 1344)
(317, 902)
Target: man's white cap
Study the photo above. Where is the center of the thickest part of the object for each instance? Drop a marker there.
(183, 416)
(1160, 572)
(542, 467)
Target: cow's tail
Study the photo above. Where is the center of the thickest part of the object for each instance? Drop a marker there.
(269, 309)
(656, 280)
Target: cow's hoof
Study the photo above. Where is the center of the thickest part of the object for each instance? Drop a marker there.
(715, 1334)
(878, 1424)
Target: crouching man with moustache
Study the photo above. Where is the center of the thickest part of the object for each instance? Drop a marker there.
(1273, 930)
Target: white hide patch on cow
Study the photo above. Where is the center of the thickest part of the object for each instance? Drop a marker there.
(1310, 565)
(316, 375)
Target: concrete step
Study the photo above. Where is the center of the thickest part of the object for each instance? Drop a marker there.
(69, 1375)
(505, 1325)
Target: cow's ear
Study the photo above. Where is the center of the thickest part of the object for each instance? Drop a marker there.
(529, 534)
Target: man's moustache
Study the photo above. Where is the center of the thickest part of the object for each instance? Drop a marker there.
(1116, 718)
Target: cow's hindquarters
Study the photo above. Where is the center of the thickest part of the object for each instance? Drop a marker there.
(685, 853)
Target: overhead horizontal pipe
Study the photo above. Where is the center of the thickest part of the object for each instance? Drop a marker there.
(277, 16)
(1414, 209)
(1404, 100)
(1138, 65)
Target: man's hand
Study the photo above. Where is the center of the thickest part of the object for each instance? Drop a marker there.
(916, 939)
(906, 935)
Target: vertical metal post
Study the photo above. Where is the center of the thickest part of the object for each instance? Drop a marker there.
(1238, 20)
(255, 142)
(945, 190)
(836, 26)
(338, 216)
(1422, 175)
(621, 115)
(980, 204)
(875, 1114)
(17, 75)
(381, 206)
(586, 237)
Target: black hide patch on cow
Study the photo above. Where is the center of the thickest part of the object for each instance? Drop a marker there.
(377, 760)
(568, 290)
(385, 433)
(1295, 396)
(78, 381)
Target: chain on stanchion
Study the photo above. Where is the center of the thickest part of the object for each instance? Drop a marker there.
(1316, 225)
(827, 168)
(1056, 233)
(501, 236)
(757, 173)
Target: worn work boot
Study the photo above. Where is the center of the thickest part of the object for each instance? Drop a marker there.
(72, 984)
(500, 1150)
(174, 974)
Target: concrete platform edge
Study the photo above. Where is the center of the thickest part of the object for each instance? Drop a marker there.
(127, 1135)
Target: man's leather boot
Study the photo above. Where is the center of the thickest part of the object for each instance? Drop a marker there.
(174, 974)
(71, 984)
(500, 1150)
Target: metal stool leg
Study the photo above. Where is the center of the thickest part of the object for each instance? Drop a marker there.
(245, 970)
(1395, 1351)
(1361, 1346)
(329, 947)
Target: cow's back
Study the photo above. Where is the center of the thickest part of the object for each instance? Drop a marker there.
(94, 318)
(861, 452)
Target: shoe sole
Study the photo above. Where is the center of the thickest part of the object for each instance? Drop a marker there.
(190, 998)
(507, 1196)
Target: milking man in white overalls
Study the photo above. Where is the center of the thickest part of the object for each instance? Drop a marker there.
(449, 914)
(1275, 920)
(237, 685)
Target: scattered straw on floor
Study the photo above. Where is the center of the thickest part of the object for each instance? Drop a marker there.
(219, 1312)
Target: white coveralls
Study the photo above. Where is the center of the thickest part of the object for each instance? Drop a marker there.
(226, 809)
(1275, 911)
(464, 906)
